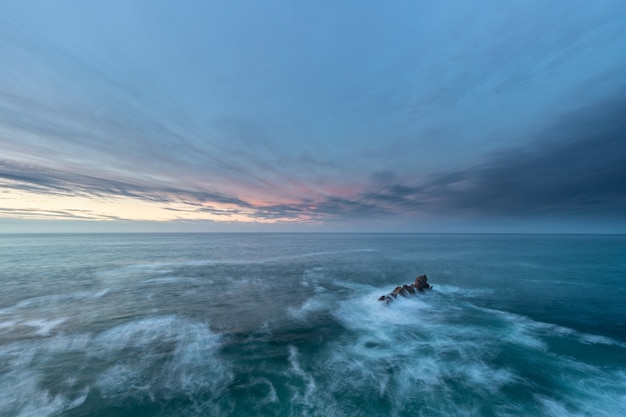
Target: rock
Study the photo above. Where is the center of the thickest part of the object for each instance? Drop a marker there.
(421, 284)
(386, 298)
(409, 289)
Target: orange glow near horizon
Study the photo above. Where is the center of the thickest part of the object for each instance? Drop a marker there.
(22, 204)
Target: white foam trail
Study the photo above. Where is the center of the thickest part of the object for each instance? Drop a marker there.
(191, 364)
(45, 314)
(21, 393)
(44, 326)
(307, 378)
(40, 404)
(40, 327)
(448, 354)
(315, 254)
(532, 331)
(174, 280)
(101, 293)
(310, 306)
(46, 301)
(159, 357)
(452, 290)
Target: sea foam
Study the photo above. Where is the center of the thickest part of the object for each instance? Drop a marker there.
(142, 359)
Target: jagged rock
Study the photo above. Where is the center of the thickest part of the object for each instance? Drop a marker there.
(421, 284)
(409, 289)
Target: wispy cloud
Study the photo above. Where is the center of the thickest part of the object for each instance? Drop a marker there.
(577, 166)
(43, 214)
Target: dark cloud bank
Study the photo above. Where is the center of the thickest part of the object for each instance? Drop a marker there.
(576, 168)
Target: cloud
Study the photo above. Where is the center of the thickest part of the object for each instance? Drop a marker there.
(37, 179)
(297, 114)
(576, 167)
(43, 214)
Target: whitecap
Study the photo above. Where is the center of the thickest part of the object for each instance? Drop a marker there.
(44, 326)
(160, 355)
(21, 391)
(312, 305)
(447, 356)
(172, 280)
(49, 301)
(452, 290)
(306, 397)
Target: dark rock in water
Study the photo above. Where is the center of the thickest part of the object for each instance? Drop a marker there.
(409, 289)
(421, 284)
(386, 298)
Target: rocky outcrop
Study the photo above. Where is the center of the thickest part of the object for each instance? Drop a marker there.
(420, 284)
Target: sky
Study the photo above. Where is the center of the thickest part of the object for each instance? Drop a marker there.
(284, 116)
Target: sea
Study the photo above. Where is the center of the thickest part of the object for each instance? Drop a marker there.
(290, 325)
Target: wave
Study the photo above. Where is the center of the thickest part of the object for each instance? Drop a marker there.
(440, 354)
(339, 352)
(435, 350)
(159, 357)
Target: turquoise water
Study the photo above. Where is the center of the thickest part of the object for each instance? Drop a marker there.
(289, 325)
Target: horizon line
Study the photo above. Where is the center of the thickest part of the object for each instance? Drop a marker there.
(316, 233)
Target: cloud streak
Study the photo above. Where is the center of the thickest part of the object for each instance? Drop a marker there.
(576, 167)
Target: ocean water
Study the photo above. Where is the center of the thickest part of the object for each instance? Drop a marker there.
(289, 325)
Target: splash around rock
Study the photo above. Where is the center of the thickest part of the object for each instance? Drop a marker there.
(420, 284)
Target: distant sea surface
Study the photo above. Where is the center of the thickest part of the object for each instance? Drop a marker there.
(289, 325)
